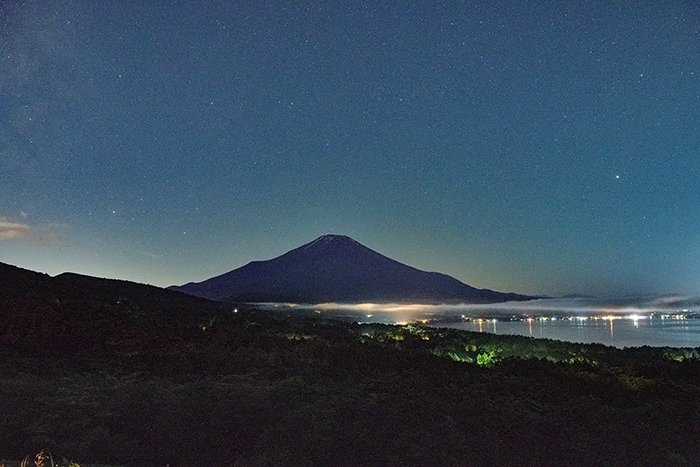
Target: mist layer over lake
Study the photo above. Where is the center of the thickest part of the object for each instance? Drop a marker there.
(672, 321)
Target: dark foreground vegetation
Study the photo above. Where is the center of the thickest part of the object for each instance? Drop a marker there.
(109, 372)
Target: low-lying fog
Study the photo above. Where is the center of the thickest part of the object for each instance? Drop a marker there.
(670, 321)
(400, 312)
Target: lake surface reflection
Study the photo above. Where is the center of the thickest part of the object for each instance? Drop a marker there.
(620, 332)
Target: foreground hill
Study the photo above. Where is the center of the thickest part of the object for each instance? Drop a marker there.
(24, 285)
(112, 372)
(45, 312)
(336, 268)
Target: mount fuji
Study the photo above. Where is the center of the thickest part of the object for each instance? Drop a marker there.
(336, 268)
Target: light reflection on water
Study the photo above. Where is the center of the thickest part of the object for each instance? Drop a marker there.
(618, 332)
(619, 323)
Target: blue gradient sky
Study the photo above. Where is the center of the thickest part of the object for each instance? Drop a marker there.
(536, 147)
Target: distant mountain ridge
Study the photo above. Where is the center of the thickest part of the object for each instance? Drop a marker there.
(336, 268)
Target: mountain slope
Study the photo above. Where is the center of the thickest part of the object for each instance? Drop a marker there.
(16, 283)
(23, 285)
(336, 268)
(71, 310)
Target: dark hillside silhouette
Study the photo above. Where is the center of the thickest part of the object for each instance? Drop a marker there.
(106, 371)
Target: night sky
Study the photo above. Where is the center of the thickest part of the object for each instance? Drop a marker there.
(530, 146)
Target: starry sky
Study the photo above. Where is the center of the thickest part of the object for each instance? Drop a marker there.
(543, 147)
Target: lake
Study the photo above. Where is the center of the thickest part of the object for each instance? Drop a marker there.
(617, 332)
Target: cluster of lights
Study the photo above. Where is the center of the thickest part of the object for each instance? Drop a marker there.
(529, 319)
(676, 316)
